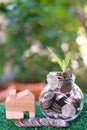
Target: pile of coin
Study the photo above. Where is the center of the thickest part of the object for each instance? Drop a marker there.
(61, 98)
(38, 122)
(59, 105)
(47, 100)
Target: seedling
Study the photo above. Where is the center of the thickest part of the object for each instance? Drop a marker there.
(63, 63)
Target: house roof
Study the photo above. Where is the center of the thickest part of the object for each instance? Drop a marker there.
(20, 95)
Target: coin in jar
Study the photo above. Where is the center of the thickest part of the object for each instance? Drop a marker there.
(47, 96)
(74, 102)
(45, 104)
(61, 123)
(68, 110)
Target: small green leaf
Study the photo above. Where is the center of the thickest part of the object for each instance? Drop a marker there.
(62, 63)
(56, 57)
(67, 58)
(63, 66)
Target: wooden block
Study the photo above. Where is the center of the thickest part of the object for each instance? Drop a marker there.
(17, 103)
(14, 115)
(32, 114)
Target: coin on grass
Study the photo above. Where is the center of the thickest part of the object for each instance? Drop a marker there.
(68, 110)
(44, 121)
(61, 123)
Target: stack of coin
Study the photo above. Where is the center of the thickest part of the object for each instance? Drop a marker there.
(60, 99)
(52, 103)
(58, 102)
(74, 102)
(46, 100)
(38, 122)
(31, 122)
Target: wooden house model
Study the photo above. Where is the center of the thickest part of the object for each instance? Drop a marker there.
(18, 103)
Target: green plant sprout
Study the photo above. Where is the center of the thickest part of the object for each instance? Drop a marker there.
(62, 63)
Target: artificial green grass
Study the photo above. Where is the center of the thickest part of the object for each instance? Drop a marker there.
(78, 124)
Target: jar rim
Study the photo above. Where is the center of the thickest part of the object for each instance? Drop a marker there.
(54, 73)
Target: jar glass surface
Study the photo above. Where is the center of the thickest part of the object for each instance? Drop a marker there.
(61, 98)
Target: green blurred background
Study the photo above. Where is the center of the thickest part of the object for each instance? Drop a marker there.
(27, 27)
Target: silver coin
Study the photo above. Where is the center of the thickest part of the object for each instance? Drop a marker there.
(35, 122)
(48, 96)
(44, 122)
(52, 122)
(27, 123)
(68, 110)
(45, 105)
(56, 109)
(66, 88)
(74, 102)
(61, 123)
(58, 123)
(49, 114)
(48, 110)
(23, 122)
(52, 114)
(20, 123)
(46, 102)
(59, 96)
(56, 105)
(61, 101)
(55, 115)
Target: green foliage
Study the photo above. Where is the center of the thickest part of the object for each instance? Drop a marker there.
(62, 62)
(45, 22)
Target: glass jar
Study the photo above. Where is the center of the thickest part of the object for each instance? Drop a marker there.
(61, 98)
